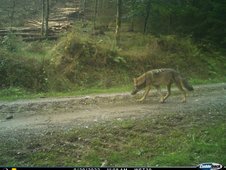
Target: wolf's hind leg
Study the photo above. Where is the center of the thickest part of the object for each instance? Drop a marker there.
(160, 94)
(182, 91)
(145, 93)
(168, 92)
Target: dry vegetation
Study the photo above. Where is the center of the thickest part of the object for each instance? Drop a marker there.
(80, 60)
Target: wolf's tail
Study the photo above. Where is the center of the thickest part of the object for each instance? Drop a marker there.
(187, 85)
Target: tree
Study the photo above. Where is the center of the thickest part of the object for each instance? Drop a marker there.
(148, 9)
(45, 17)
(132, 17)
(12, 12)
(83, 5)
(95, 14)
(131, 7)
(118, 21)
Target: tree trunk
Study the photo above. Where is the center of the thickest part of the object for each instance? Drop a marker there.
(12, 12)
(118, 21)
(95, 14)
(148, 9)
(43, 16)
(46, 17)
(84, 5)
(132, 17)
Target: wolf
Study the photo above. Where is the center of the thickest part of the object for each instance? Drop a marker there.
(158, 77)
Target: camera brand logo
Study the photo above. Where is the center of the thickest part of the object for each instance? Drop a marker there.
(210, 166)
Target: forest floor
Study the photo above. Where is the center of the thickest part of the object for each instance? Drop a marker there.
(28, 119)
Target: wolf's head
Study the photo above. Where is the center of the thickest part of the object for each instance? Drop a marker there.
(138, 83)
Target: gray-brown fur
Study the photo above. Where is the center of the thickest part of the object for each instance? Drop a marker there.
(159, 77)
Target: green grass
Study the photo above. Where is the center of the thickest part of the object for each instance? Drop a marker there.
(158, 140)
(196, 81)
(12, 94)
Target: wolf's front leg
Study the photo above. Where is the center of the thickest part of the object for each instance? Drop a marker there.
(145, 94)
(184, 98)
(168, 92)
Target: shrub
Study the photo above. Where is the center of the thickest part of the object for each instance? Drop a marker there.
(18, 71)
(11, 43)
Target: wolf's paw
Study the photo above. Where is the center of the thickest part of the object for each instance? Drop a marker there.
(161, 101)
(140, 100)
(183, 101)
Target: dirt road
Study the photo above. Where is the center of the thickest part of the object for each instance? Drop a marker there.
(45, 115)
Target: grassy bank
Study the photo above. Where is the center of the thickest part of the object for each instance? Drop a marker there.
(82, 63)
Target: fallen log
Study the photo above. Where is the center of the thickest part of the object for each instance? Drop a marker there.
(40, 38)
(58, 19)
(20, 29)
(22, 34)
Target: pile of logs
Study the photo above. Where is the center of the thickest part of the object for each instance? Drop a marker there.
(27, 33)
(60, 21)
